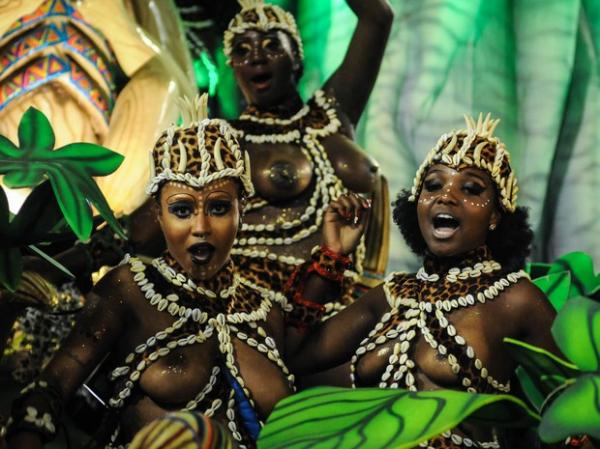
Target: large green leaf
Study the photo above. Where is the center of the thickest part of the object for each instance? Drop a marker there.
(38, 215)
(93, 159)
(528, 385)
(73, 204)
(546, 371)
(581, 267)
(80, 182)
(69, 169)
(329, 417)
(576, 330)
(11, 267)
(35, 133)
(574, 412)
(7, 148)
(556, 286)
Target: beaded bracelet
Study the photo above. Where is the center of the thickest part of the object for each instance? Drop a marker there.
(27, 417)
(576, 441)
(329, 264)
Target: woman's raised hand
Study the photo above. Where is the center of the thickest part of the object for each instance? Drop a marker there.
(345, 222)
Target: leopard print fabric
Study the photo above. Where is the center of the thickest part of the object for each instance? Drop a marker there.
(419, 307)
(189, 138)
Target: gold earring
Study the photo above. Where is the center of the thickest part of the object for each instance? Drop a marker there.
(492, 227)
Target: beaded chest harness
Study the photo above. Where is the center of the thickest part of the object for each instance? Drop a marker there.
(240, 310)
(415, 311)
(313, 122)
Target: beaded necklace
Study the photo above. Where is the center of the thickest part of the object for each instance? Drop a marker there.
(240, 310)
(416, 310)
(306, 128)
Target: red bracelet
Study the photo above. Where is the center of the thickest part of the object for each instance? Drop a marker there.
(327, 251)
(299, 299)
(576, 441)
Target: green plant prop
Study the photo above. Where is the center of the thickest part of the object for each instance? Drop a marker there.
(575, 269)
(540, 372)
(572, 407)
(369, 418)
(569, 276)
(63, 187)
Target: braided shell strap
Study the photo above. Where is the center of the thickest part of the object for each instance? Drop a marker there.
(327, 264)
(36, 410)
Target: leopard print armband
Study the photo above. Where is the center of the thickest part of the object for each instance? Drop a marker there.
(36, 410)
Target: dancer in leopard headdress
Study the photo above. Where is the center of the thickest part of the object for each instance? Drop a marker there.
(443, 327)
(188, 330)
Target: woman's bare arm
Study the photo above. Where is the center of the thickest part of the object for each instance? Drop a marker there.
(98, 328)
(535, 315)
(333, 342)
(351, 84)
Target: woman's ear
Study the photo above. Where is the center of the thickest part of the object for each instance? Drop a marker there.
(494, 220)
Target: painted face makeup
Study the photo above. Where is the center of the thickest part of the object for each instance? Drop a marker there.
(455, 209)
(264, 65)
(200, 225)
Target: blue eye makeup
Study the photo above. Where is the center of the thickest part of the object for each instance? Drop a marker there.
(181, 209)
(218, 207)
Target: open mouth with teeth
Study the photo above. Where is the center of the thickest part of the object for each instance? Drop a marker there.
(445, 225)
(201, 253)
(261, 81)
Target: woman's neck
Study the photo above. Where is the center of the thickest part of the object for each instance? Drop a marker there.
(221, 280)
(283, 109)
(435, 264)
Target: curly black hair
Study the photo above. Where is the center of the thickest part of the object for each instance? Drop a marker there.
(510, 242)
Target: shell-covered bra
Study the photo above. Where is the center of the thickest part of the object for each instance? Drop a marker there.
(307, 128)
(55, 44)
(420, 305)
(238, 308)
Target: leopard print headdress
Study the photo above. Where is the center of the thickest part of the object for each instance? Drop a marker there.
(474, 147)
(257, 15)
(200, 151)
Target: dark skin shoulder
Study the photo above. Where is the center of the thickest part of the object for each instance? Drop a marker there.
(530, 308)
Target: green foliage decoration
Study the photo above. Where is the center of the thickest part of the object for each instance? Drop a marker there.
(63, 190)
(571, 388)
(566, 392)
(578, 266)
(369, 418)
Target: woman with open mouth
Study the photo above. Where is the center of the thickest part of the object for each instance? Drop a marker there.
(188, 330)
(302, 155)
(443, 327)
